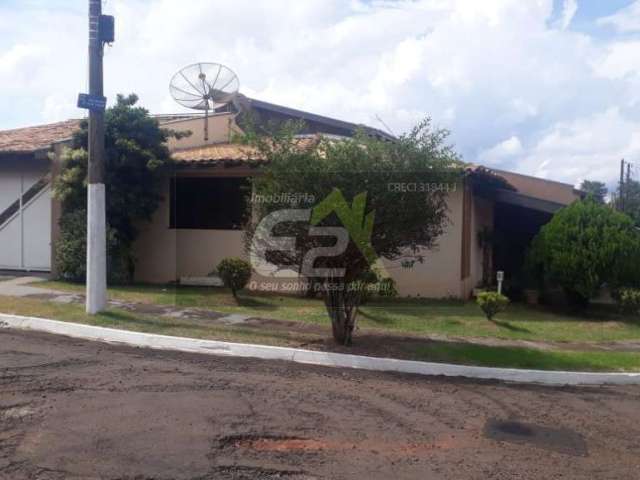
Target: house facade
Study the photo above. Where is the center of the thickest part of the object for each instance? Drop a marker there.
(199, 221)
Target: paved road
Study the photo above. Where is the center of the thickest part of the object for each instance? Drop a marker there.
(73, 409)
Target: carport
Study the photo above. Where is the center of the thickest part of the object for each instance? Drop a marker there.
(25, 213)
(26, 207)
(518, 217)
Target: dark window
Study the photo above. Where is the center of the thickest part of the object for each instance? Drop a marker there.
(208, 202)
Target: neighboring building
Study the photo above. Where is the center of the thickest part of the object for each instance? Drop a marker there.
(198, 223)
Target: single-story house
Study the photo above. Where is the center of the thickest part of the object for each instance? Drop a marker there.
(198, 222)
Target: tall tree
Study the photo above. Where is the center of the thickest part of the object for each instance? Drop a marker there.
(136, 156)
(377, 199)
(597, 190)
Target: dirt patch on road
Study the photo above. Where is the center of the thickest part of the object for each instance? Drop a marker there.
(287, 444)
(72, 409)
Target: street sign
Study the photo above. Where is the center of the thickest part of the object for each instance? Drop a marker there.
(92, 102)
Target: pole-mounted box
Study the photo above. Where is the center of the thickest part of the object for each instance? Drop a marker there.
(107, 29)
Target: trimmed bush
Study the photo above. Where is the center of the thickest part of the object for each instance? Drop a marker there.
(492, 303)
(235, 274)
(629, 300)
(584, 246)
(71, 251)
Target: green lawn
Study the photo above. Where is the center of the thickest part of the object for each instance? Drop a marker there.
(516, 357)
(402, 317)
(122, 319)
(451, 318)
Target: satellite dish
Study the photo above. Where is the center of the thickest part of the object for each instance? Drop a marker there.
(204, 86)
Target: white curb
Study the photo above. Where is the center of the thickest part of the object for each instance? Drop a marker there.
(213, 347)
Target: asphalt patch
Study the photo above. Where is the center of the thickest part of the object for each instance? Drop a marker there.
(561, 440)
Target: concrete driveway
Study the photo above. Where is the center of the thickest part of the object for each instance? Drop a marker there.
(73, 409)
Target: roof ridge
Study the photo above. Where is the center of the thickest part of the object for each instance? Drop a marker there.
(40, 125)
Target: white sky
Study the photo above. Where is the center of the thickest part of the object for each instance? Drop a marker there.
(544, 87)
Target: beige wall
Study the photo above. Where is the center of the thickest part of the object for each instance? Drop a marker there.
(439, 275)
(200, 251)
(156, 246)
(221, 129)
(164, 254)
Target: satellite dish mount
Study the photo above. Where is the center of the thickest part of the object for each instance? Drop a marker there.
(204, 86)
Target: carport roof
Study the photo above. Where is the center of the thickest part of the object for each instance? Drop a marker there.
(38, 138)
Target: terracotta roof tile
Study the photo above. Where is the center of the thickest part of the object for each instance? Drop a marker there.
(227, 153)
(41, 137)
(218, 153)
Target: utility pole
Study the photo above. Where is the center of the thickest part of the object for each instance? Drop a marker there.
(96, 215)
(621, 187)
(627, 185)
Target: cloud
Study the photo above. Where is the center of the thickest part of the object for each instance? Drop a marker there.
(18, 57)
(507, 77)
(58, 107)
(621, 59)
(507, 149)
(586, 148)
(569, 10)
(626, 20)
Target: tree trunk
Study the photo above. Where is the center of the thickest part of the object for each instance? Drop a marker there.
(342, 307)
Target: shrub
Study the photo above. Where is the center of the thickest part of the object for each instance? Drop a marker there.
(71, 251)
(235, 273)
(629, 300)
(492, 303)
(71, 247)
(584, 246)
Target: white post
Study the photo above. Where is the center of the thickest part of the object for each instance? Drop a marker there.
(96, 250)
(500, 278)
(96, 217)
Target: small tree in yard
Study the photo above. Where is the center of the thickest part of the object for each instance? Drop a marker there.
(492, 303)
(353, 202)
(586, 245)
(235, 274)
(136, 157)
